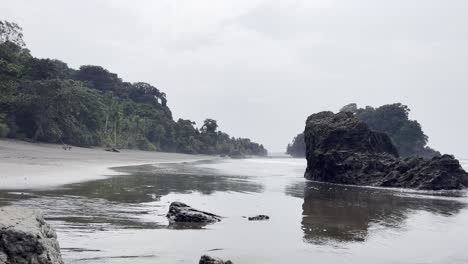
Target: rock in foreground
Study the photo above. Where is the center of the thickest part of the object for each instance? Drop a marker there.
(342, 149)
(182, 213)
(209, 260)
(26, 238)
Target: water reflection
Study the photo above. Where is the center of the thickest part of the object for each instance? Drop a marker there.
(148, 183)
(122, 201)
(333, 213)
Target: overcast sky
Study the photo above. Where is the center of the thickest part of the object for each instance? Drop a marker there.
(261, 67)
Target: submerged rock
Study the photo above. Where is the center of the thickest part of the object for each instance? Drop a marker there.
(209, 260)
(259, 218)
(342, 149)
(182, 213)
(25, 237)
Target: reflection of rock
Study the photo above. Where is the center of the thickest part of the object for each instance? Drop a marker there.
(147, 184)
(259, 218)
(182, 213)
(334, 213)
(342, 149)
(26, 238)
(209, 260)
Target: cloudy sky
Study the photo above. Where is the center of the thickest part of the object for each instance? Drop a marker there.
(260, 67)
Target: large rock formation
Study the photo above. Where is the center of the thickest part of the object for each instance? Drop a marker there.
(182, 213)
(25, 238)
(342, 149)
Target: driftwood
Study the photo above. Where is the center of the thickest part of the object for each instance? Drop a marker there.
(112, 150)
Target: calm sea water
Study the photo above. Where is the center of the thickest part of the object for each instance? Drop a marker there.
(122, 219)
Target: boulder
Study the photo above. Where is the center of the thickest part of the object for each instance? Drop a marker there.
(209, 260)
(342, 149)
(25, 237)
(182, 213)
(259, 218)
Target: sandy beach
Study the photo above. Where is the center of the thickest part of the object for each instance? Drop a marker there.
(25, 165)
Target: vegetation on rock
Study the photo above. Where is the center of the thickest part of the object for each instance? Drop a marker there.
(45, 100)
(393, 120)
(297, 148)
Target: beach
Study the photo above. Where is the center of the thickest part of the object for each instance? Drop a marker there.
(122, 219)
(118, 215)
(25, 165)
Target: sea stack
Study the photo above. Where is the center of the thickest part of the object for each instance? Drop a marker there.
(342, 149)
(25, 237)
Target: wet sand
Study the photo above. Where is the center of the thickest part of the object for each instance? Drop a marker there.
(123, 219)
(25, 165)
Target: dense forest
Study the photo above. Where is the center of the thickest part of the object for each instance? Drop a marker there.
(45, 100)
(297, 148)
(392, 119)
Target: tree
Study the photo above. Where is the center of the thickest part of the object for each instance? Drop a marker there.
(209, 126)
(297, 148)
(406, 134)
(393, 119)
(59, 111)
(98, 78)
(11, 32)
(45, 100)
(43, 69)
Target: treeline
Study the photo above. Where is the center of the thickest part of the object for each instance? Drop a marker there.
(393, 119)
(45, 100)
(297, 148)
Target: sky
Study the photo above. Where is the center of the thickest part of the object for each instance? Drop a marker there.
(260, 67)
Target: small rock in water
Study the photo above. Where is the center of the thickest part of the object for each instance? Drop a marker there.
(182, 213)
(259, 218)
(209, 260)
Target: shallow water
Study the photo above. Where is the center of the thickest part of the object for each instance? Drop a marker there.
(122, 219)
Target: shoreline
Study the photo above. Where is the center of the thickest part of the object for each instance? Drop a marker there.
(29, 166)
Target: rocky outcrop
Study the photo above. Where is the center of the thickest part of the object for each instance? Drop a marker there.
(209, 260)
(182, 213)
(342, 149)
(26, 238)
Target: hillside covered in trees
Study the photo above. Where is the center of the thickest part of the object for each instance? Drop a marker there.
(45, 100)
(393, 120)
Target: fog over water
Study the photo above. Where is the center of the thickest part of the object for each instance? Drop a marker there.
(261, 67)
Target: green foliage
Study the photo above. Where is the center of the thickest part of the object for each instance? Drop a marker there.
(58, 111)
(209, 126)
(45, 100)
(11, 32)
(297, 148)
(406, 134)
(393, 119)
